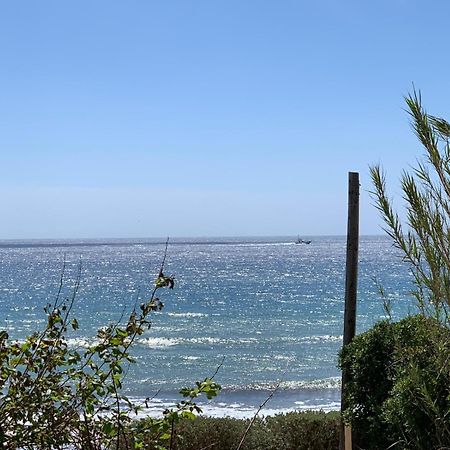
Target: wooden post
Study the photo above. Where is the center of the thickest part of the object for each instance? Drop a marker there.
(351, 285)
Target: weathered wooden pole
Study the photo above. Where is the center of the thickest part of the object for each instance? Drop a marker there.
(351, 285)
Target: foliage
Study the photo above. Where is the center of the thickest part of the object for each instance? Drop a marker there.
(412, 399)
(292, 431)
(54, 396)
(368, 361)
(156, 433)
(425, 243)
(399, 389)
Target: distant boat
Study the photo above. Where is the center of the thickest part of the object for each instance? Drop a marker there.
(302, 241)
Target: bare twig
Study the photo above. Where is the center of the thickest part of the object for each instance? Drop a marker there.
(209, 445)
(163, 262)
(261, 406)
(149, 399)
(61, 282)
(218, 368)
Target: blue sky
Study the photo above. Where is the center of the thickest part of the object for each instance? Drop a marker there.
(208, 118)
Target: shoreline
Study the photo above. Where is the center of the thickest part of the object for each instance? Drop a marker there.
(243, 404)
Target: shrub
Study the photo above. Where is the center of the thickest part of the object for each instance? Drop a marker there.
(399, 389)
(305, 431)
(292, 431)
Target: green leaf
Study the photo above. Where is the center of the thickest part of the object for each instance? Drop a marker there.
(189, 415)
(108, 429)
(121, 333)
(74, 324)
(25, 346)
(89, 409)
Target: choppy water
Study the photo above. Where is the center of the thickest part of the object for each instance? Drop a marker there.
(272, 308)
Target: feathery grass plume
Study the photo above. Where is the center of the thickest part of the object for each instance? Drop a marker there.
(425, 237)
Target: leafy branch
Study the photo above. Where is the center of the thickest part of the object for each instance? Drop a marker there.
(54, 396)
(425, 237)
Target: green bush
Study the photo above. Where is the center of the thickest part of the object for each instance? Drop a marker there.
(399, 389)
(292, 431)
(308, 431)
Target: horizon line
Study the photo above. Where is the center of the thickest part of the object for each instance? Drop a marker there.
(177, 238)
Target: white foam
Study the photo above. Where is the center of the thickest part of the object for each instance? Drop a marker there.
(235, 410)
(322, 338)
(81, 342)
(159, 342)
(326, 407)
(188, 314)
(162, 342)
(325, 383)
(206, 340)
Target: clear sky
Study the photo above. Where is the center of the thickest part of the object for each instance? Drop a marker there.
(208, 118)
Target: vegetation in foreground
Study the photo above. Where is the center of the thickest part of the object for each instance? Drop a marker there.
(399, 393)
(53, 396)
(399, 389)
(292, 431)
(424, 238)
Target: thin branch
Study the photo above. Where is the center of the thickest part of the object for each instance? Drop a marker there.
(163, 262)
(209, 445)
(261, 406)
(218, 368)
(149, 399)
(172, 433)
(61, 282)
(78, 402)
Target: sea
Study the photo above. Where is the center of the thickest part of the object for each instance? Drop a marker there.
(265, 313)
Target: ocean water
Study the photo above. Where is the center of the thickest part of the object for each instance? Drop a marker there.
(272, 310)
